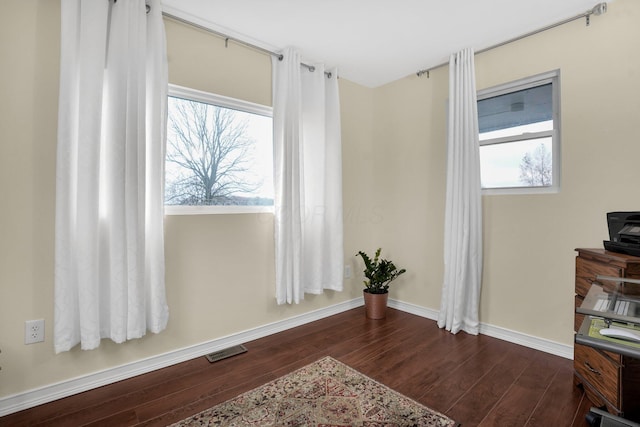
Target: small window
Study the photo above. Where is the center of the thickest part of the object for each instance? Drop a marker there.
(520, 136)
(219, 154)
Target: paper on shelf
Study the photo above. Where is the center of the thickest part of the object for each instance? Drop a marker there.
(597, 324)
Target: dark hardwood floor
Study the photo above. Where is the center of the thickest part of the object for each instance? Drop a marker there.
(476, 380)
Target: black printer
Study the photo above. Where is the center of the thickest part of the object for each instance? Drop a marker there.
(624, 233)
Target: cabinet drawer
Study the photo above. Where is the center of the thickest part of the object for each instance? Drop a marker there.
(633, 271)
(586, 272)
(597, 400)
(602, 373)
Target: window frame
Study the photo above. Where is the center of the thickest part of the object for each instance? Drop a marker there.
(552, 77)
(226, 102)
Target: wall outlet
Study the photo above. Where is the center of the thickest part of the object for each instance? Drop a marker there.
(347, 272)
(33, 331)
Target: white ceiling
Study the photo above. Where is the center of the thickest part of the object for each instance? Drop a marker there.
(373, 42)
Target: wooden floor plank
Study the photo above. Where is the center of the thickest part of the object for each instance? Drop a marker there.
(476, 380)
(560, 403)
(448, 390)
(483, 396)
(521, 399)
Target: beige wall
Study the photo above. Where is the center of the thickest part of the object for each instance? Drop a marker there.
(529, 240)
(29, 50)
(220, 267)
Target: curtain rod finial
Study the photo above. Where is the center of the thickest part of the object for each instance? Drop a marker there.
(596, 10)
(599, 9)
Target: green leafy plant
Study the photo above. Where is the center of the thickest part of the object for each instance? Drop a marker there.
(379, 272)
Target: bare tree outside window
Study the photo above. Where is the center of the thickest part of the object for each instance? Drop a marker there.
(209, 156)
(536, 167)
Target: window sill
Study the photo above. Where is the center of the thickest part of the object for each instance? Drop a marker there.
(523, 191)
(216, 210)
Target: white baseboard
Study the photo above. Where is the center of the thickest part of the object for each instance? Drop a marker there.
(49, 393)
(547, 346)
(429, 313)
(504, 334)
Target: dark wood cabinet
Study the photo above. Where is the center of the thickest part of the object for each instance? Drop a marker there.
(609, 379)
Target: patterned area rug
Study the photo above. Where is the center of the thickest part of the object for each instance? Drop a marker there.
(326, 393)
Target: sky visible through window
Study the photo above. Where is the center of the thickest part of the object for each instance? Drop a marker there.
(500, 163)
(260, 130)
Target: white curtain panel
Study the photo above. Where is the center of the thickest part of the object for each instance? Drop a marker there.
(308, 179)
(463, 210)
(109, 261)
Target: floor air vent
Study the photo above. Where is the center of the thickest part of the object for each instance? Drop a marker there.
(227, 352)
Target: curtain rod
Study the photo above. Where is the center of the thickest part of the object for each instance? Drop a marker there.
(233, 39)
(598, 9)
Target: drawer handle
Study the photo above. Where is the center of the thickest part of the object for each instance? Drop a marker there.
(592, 370)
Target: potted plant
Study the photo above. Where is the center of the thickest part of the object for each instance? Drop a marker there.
(379, 273)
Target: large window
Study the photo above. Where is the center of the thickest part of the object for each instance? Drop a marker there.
(520, 136)
(219, 155)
